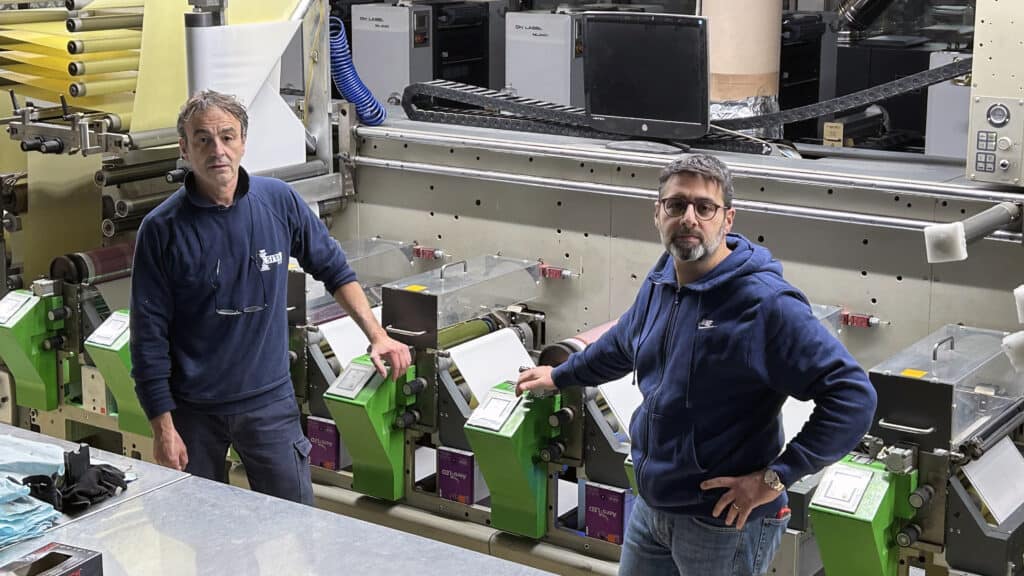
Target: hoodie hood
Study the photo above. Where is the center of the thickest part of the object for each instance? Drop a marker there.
(746, 259)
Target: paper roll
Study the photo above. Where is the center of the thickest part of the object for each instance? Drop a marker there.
(245, 61)
(490, 360)
(346, 338)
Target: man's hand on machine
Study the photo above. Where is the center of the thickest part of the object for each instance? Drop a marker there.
(394, 353)
(537, 381)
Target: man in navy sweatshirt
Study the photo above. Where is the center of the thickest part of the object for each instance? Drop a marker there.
(717, 340)
(208, 310)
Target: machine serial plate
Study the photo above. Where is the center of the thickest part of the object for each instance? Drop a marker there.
(109, 331)
(842, 488)
(11, 304)
(352, 380)
(495, 410)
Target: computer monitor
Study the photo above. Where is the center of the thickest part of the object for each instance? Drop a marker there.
(646, 75)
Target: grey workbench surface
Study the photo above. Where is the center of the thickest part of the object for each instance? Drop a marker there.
(196, 526)
(149, 476)
(171, 523)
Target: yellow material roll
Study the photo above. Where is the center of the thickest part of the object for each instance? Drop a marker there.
(33, 15)
(103, 4)
(107, 65)
(101, 87)
(60, 62)
(101, 45)
(262, 11)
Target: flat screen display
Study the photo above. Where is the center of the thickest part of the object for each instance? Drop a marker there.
(646, 74)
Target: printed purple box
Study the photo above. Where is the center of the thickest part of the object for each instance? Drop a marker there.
(608, 510)
(458, 479)
(323, 435)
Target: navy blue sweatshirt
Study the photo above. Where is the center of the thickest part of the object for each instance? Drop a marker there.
(715, 360)
(193, 258)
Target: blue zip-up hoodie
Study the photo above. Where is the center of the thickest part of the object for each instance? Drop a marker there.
(193, 258)
(715, 360)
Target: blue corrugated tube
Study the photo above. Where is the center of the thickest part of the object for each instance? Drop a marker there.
(347, 80)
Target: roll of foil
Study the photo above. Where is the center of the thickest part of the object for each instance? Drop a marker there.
(746, 108)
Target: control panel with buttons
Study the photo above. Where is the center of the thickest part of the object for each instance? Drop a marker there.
(997, 130)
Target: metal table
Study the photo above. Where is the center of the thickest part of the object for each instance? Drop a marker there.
(195, 526)
(149, 476)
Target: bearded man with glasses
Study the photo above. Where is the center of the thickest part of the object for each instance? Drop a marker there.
(717, 340)
(209, 328)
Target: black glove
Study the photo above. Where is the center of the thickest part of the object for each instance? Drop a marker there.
(99, 482)
(43, 487)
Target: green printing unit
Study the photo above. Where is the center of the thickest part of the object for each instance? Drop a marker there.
(108, 346)
(29, 328)
(365, 406)
(861, 505)
(507, 433)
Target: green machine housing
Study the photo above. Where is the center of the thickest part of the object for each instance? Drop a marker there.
(863, 505)
(29, 326)
(507, 434)
(365, 407)
(108, 346)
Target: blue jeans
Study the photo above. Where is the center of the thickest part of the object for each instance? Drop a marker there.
(660, 543)
(269, 441)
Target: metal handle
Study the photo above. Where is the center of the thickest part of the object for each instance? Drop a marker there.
(907, 429)
(935, 349)
(392, 330)
(465, 267)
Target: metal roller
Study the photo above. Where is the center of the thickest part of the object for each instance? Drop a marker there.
(80, 68)
(101, 87)
(104, 45)
(127, 207)
(122, 174)
(94, 266)
(555, 354)
(860, 14)
(113, 227)
(113, 22)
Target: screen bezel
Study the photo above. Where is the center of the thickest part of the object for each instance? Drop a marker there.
(654, 128)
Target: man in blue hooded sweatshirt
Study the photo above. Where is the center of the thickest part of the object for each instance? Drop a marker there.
(209, 338)
(717, 340)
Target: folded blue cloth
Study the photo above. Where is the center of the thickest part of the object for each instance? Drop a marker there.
(21, 516)
(20, 457)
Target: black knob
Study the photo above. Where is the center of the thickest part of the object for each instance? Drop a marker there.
(413, 387)
(552, 452)
(909, 535)
(561, 417)
(32, 144)
(58, 314)
(175, 176)
(54, 146)
(407, 419)
(53, 343)
(921, 497)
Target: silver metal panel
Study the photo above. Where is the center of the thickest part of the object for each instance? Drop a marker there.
(381, 33)
(945, 131)
(201, 527)
(540, 55)
(997, 56)
(864, 268)
(496, 43)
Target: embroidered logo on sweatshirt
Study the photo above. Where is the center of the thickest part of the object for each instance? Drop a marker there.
(269, 259)
(705, 324)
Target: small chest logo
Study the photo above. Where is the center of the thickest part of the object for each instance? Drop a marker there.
(269, 259)
(705, 324)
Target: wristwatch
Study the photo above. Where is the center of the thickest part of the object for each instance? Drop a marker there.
(771, 479)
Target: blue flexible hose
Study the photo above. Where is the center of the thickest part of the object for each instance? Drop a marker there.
(343, 71)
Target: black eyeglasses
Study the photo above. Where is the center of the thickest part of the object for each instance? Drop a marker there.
(675, 207)
(224, 310)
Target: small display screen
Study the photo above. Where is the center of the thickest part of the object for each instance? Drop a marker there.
(11, 304)
(109, 331)
(493, 408)
(352, 380)
(646, 66)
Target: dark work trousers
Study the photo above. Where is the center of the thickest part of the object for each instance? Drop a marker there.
(269, 440)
